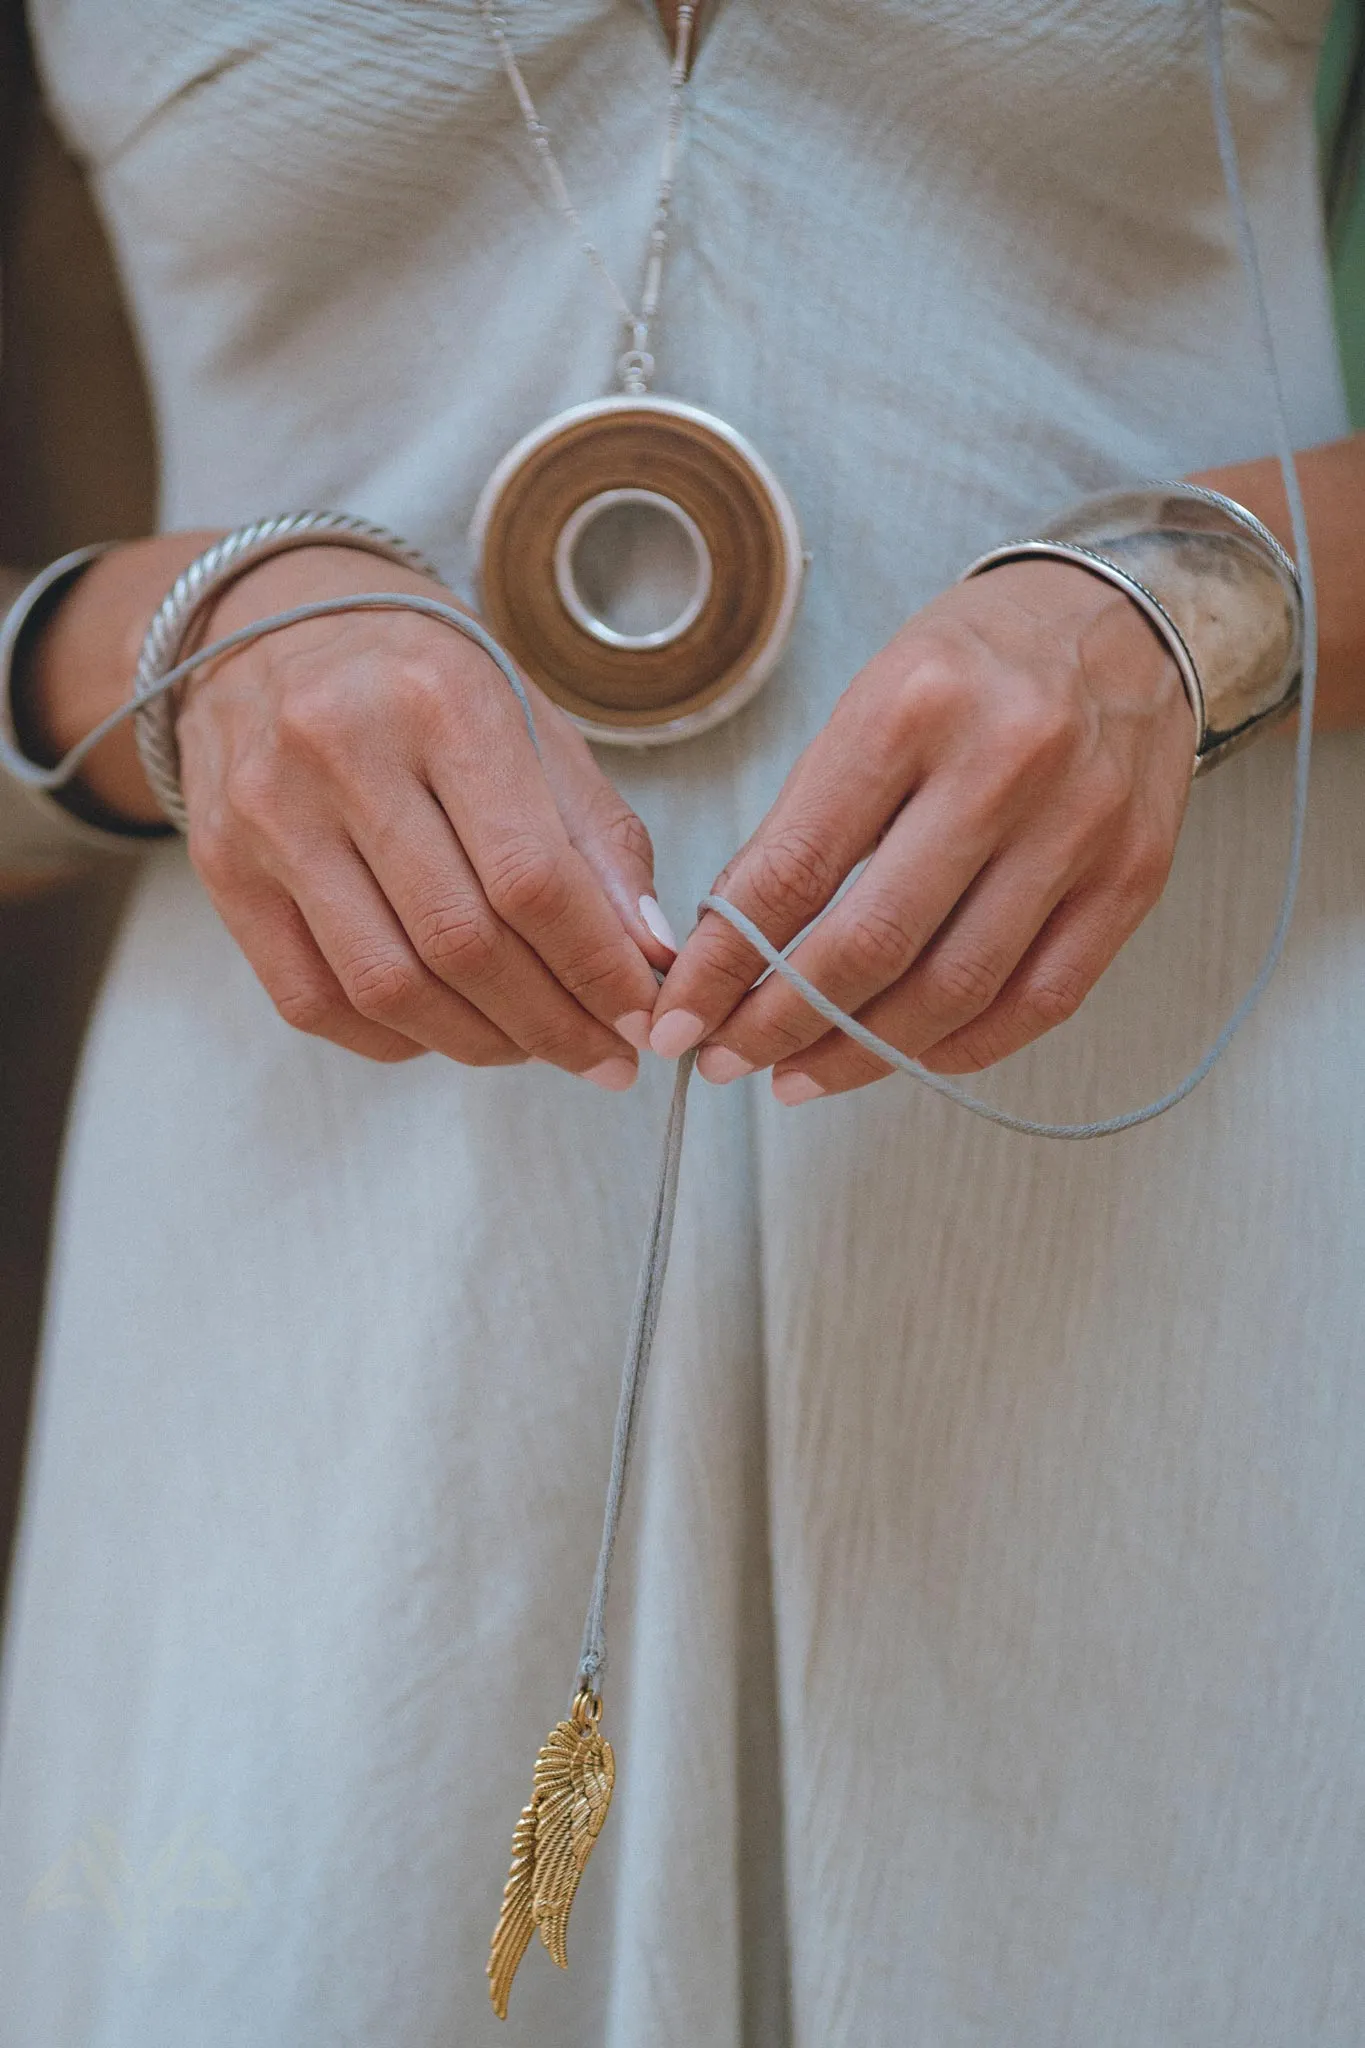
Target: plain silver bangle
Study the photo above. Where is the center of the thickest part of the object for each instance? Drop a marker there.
(197, 587)
(1213, 581)
(1146, 601)
(34, 775)
(63, 828)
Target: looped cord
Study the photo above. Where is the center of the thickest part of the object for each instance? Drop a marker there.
(655, 1260)
(37, 777)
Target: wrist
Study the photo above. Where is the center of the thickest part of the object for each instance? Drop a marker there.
(77, 667)
(1113, 639)
(301, 575)
(200, 601)
(1216, 586)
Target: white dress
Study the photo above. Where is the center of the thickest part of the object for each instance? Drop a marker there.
(989, 1631)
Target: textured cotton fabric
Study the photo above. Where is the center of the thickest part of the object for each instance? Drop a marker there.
(987, 1632)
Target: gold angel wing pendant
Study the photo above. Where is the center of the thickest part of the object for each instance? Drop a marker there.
(574, 1775)
(516, 1924)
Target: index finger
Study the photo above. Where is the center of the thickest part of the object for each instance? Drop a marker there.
(827, 818)
(490, 781)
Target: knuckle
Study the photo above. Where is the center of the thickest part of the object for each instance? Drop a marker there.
(792, 876)
(425, 676)
(308, 1007)
(962, 981)
(210, 853)
(776, 1037)
(381, 986)
(628, 835)
(1048, 999)
(251, 790)
(423, 689)
(527, 882)
(726, 965)
(1038, 733)
(458, 940)
(557, 1041)
(880, 942)
(929, 692)
(592, 971)
(1146, 870)
(721, 885)
(314, 721)
(933, 679)
(852, 1067)
(981, 1044)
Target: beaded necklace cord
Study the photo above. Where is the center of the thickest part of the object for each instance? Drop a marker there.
(636, 366)
(654, 1261)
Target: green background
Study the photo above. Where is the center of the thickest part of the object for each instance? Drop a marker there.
(1349, 269)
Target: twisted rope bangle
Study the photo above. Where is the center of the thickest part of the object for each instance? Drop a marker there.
(198, 586)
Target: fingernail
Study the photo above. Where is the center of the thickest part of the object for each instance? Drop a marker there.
(717, 1063)
(793, 1088)
(676, 1034)
(613, 1073)
(634, 1028)
(658, 925)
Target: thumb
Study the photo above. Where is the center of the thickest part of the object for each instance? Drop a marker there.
(612, 839)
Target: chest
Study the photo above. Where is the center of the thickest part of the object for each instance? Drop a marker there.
(384, 80)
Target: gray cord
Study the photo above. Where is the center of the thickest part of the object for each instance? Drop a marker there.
(38, 777)
(655, 1258)
(1105, 1127)
(654, 1263)
(643, 1321)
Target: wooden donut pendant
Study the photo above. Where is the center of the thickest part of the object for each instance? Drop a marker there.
(644, 482)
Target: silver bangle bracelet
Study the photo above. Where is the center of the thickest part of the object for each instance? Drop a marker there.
(197, 587)
(67, 823)
(1146, 601)
(48, 581)
(1213, 582)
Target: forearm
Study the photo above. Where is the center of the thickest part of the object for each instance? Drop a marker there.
(81, 668)
(1333, 482)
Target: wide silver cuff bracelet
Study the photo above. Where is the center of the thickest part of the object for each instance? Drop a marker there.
(197, 587)
(1214, 583)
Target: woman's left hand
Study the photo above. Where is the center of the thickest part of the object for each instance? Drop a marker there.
(1014, 768)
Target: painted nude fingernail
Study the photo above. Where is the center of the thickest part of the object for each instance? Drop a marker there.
(718, 1064)
(793, 1088)
(657, 922)
(676, 1034)
(615, 1074)
(634, 1028)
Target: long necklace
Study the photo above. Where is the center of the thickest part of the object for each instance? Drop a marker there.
(575, 1769)
(636, 479)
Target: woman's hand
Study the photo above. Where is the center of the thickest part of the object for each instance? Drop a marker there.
(1013, 767)
(370, 818)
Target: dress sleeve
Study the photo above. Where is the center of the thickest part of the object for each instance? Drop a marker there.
(40, 838)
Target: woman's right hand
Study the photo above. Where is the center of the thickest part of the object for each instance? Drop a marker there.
(370, 817)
